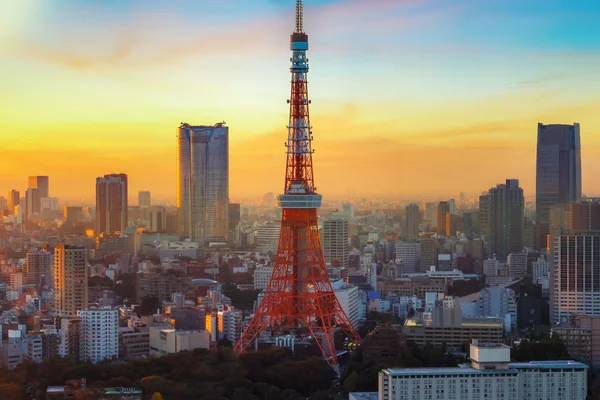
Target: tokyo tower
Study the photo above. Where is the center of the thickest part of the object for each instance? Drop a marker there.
(299, 299)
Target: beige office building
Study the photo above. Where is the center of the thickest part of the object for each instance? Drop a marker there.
(169, 341)
(70, 279)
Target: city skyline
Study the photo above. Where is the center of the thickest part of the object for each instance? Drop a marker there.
(115, 103)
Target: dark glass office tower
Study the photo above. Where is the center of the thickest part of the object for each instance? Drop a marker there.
(558, 172)
(505, 215)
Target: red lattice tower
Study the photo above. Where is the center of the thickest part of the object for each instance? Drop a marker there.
(299, 299)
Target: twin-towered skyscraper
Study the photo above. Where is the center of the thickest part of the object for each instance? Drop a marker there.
(203, 182)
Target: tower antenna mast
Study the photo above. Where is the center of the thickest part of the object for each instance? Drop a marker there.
(299, 21)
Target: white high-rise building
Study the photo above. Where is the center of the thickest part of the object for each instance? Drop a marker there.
(99, 335)
(347, 295)
(262, 276)
(575, 276)
(228, 324)
(203, 181)
(335, 241)
(408, 256)
(267, 237)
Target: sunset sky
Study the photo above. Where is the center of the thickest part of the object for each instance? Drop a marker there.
(409, 97)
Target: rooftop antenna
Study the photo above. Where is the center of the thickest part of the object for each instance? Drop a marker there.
(299, 16)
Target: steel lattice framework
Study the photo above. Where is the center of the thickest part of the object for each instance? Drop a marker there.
(299, 298)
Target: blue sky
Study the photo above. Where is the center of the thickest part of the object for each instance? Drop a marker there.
(402, 80)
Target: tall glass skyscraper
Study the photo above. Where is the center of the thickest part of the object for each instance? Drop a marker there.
(203, 181)
(558, 172)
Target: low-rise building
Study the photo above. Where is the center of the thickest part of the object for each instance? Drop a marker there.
(490, 376)
(455, 333)
(169, 341)
(416, 287)
(134, 342)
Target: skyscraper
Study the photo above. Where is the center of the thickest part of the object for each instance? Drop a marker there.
(506, 218)
(335, 241)
(14, 199)
(413, 219)
(32, 202)
(42, 183)
(144, 199)
(100, 334)
(70, 279)
(484, 214)
(111, 204)
(233, 220)
(575, 276)
(158, 219)
(443, 208)
(558, 172)
(431, 215)
(38, 267)
(203, 181)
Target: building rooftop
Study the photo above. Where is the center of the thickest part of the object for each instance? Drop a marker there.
(549, 364)
(364, 395)
(512, 368)
(444, 371)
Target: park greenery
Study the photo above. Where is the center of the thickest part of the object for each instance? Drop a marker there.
(199, 374)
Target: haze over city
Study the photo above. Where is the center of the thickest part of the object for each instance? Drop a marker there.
(409, 97)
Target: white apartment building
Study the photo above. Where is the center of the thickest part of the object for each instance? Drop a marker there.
(99, 334)
(490, 376)
(575, 277)
(347, 295)
(262, 276)
(229, 324)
